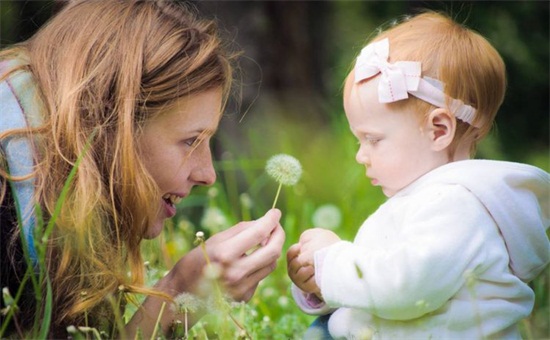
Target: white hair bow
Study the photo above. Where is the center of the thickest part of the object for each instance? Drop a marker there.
(402, 78)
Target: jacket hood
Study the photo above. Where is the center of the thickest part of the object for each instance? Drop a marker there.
(518, 198)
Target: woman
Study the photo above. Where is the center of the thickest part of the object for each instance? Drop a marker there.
(126, 94)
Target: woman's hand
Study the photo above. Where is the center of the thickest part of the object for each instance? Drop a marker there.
(241, 273)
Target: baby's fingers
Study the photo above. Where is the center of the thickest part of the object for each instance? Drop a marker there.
(292, 252)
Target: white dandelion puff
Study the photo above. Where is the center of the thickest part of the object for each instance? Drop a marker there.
(214, 219)
(285, 169)
(186, 303)
(213, 271)
(327, 216)
(283, 301)
(213, 192)
(8, 298)
(246, 201)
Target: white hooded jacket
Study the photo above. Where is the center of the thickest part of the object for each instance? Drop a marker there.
(449, 256)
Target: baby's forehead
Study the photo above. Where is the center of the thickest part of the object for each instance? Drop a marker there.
(350, 86)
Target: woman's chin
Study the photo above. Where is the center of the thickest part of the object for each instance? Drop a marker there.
(154, 230)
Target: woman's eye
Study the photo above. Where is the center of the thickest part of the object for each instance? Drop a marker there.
(191, 141)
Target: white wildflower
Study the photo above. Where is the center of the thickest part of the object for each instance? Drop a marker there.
(214, 219)
(8, 298)
(327, 216)
(269, 291)
(213, 271)
(285, 169)
(246, 201)
(283, 301)
(186, 303)
(213, 192)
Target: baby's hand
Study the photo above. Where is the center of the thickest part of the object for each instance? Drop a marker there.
(303, 276)
(300, 265)
(312, 240)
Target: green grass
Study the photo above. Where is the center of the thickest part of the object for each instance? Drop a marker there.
(243, 192)
(331, 176)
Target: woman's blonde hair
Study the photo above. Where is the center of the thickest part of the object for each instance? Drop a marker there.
(469, 66)
(104, 68)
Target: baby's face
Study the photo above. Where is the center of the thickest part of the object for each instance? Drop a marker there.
(392, 144)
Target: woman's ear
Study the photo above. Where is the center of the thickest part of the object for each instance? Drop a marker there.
(441, 127)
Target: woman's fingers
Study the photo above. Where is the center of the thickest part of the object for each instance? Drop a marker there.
(250, 234)
(263, 257)
(244, 289)
(240, 272)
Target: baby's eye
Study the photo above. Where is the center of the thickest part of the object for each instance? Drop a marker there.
(372, 140)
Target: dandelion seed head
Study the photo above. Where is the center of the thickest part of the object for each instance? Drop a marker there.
(327, 216)
(283, 301)
(184, 224)
(213, 271)
(285, 169)
(186, 303)
(6, 295)
(214, 219)
(242, 334)
(269, 291)
(213, 192)
(246, 201)
(199, 238)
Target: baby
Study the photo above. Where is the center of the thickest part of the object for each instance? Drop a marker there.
(451, 252)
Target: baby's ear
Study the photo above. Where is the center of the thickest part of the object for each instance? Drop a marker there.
(441, 126)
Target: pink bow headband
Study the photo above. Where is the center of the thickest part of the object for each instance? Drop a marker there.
(402, 78)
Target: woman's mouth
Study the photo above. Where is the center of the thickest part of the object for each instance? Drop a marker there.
(170, 201)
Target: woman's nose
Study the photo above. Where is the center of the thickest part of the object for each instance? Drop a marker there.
(204, 173)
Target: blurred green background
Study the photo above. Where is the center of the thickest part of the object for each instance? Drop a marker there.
(296, 55)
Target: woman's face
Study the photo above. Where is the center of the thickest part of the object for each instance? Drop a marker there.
(176, 151)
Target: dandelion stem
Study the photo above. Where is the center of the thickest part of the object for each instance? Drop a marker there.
(206, 257)
(239, 325)
(277, 195)
(186, 325)
(219, 294)
(155, 330)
